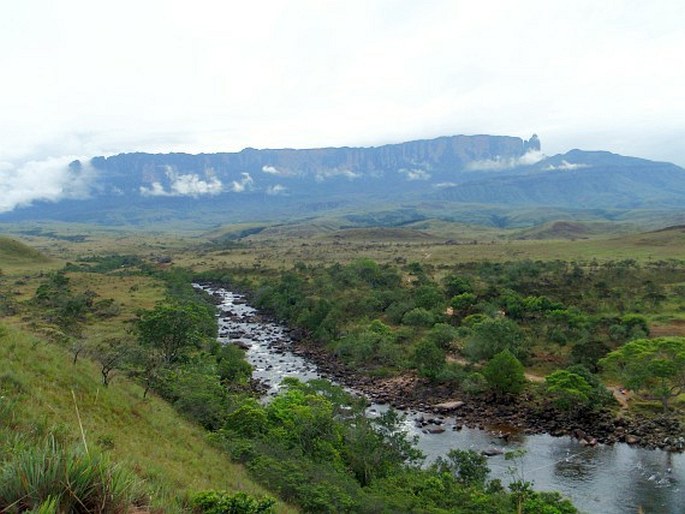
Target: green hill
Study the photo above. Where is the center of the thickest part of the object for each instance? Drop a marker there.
(41, 390)
(13, 252)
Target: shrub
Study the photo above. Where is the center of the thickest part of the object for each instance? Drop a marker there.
(50, 478)
(221, 502)
(418, 317)
(505, 374)
(429, 359)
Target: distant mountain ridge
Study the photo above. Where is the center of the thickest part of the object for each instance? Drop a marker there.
(451, 171)
(252, 169)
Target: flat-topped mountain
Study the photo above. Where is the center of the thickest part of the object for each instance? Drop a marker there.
(445, 172)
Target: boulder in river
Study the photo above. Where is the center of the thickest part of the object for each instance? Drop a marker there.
(448, 406)
(632, 439)
(491, 451)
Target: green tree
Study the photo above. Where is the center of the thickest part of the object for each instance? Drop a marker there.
(569, 391)
(442, 335)
(469, 467)
(418, 317)
(505, 374)
(377, 447)
(429, 359)
(654, 368)
(176, 327)
(491, 336)
(463, 302)
(456, 285)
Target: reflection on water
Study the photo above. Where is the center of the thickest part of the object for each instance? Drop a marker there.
(614, 479)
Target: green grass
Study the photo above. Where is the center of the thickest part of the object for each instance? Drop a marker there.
(172, 456)
(18, 257)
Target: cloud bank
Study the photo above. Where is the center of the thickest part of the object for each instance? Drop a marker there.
(276, 190)
(245, 183)
(189, 184)
(273, 170)
(499, 164)
(51, 179)
(325, 174)
(415, 174)
(566, 166)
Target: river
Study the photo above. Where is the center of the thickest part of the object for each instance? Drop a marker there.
(616, 479)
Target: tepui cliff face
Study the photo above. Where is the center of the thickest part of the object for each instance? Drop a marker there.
(480, 170)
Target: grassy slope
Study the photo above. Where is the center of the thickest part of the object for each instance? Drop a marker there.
(170, 454)
(18, 257)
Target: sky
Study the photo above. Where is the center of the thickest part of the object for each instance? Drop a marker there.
(82, 78)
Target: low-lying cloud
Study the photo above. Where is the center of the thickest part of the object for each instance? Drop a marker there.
(322, 175)
(566, 166)
(51, 179)
(415, 174)
(189, 184)
(276, 190)
(245, 183)
(497, 164)
(273, 170)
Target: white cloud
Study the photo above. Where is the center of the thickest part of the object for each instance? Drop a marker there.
(155, 189)
(189, 184)
(50, 179)
(443, 185)
(245, 183)
(272, 170)
(348, 72)
(498, 163)
(322, 175)
(415, 174)
(566, 166)
(276, 190)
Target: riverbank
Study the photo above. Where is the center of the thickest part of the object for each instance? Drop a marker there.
(454, 409)
(606, 479)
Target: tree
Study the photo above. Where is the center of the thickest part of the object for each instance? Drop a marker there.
(175, 327)
(456, 285)
(442, 335)
(112, 354)
(468, 466)
(655, 368)
(491, 336)
(418, 317)
(429, 359)
(463, 302)
(505, 374)
(569, 391)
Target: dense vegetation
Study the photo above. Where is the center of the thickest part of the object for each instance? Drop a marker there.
(311, 445)
(475, 326)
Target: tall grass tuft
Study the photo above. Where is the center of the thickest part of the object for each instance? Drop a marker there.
(49, 477)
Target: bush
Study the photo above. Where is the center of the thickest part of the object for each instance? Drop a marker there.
(429, 359)
(50, 478)
(493, 336)
(505, 374)
(418, 317)
(221, 502)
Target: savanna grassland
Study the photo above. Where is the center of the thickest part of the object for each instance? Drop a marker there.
(90, 319)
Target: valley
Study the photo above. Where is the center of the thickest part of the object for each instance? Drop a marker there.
(374, 343)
